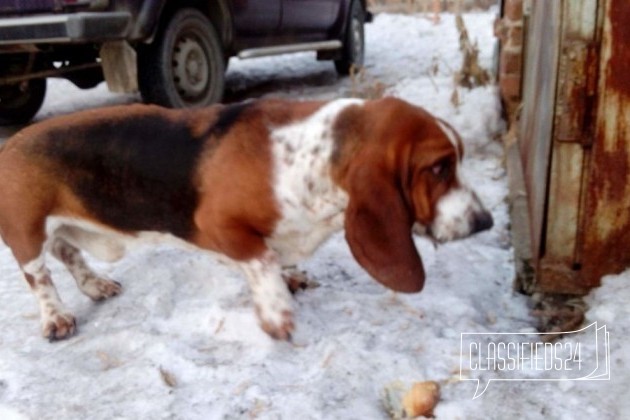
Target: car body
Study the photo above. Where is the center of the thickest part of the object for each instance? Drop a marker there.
(174, 52)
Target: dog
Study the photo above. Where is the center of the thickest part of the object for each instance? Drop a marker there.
(262, 183)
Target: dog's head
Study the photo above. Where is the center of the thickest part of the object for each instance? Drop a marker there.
(400, 167)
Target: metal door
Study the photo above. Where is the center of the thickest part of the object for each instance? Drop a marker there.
(575, 141)
(606, 214)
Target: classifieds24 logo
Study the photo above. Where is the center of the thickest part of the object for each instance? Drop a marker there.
(581, 355)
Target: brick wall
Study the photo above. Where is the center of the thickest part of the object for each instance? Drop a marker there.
(509, 30)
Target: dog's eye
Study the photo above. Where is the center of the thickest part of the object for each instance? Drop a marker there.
(441, 169)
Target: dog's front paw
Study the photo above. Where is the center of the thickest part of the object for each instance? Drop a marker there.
(58, 325)
(270, 294)
(278, 325)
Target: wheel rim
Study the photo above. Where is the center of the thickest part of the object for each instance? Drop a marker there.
(190, 67)
(357, 41)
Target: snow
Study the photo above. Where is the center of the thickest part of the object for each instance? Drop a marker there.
(182, 340)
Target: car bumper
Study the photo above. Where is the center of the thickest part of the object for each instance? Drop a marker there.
(65, 28)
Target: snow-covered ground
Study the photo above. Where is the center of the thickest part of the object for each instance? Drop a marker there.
(182, 341)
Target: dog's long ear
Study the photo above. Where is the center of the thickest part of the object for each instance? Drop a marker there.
(378, 230)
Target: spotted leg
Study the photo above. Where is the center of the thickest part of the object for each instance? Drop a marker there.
(88, 282)
(272, 299)
(57, 322)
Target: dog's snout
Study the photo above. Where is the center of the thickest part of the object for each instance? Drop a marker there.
(483, 221)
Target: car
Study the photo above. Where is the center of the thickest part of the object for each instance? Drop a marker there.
(174, 52)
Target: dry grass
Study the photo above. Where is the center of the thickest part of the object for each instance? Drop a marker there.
(558, 313)
(168, 378)
(471, 73)
(429, 6)
(365, 86)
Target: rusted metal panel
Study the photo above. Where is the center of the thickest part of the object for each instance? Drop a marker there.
(573, 98)
(558, 277)
(574, 141)
(577, 53)
(606, 247)
(559, 267)
(539, 85)
(579, 19)
(564, 202)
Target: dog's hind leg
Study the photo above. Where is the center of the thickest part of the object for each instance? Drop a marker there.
(103, 246)
(29, 248)
(28, 194)
(88, 282)
(57, 322)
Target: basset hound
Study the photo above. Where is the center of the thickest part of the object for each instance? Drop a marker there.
(262, 183)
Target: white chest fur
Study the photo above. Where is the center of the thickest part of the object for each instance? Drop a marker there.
(311, 204)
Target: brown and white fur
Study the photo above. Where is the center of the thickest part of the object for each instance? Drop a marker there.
(262, 183)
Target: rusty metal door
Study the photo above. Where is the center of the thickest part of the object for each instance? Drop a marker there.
(575, 141)
(606, 213)
(538, 109)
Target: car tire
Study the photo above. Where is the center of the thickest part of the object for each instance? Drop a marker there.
(354, 41)
(184, 67)
(20, 102)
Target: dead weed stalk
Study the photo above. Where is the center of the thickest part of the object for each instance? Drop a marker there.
(365, 86)
(471, 73)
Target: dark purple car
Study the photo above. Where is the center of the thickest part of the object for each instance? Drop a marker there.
(174, 52)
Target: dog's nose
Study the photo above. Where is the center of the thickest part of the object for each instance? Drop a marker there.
(483, 221)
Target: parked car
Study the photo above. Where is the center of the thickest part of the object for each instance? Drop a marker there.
(174, 52)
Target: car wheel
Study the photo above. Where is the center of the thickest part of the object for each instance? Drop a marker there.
(184, 67)
(20, 102)
(354, 41)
